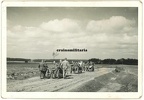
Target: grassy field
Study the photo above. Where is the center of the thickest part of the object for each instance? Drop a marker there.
(19, 71)
(27, 70)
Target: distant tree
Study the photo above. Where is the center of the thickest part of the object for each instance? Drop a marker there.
(18, 59)
(127, 61)
(26, 61)
(109, 61)
(37, 60)
(95, 60)
(120, 61)
(131, 61)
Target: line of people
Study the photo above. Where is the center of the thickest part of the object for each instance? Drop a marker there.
(61, 69)
(80, 66)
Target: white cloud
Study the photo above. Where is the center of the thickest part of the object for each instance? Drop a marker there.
(115, 25)
(64, 25)
(18, 28)
(98, 36)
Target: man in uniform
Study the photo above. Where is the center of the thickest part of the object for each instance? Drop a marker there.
(65, 65)
(72, 67)
(42, 68)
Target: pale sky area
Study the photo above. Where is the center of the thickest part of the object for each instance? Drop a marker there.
(36, 33)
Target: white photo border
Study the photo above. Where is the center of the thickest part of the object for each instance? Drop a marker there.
(89, 95)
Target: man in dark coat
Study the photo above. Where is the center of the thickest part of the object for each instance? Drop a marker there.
(42, 68)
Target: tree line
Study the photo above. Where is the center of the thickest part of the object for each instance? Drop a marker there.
(18, 59)
(128, 61)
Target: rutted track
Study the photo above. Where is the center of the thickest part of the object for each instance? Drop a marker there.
(42, 85)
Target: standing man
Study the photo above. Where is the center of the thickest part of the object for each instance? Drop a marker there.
(65, 65)
(42, 68)
(60, 63)
(72, 67)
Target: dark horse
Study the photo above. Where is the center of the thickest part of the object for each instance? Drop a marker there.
(56, 72)
(76, 68)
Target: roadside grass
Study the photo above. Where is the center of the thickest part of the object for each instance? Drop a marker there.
(20, 71)
(127, 81)
(91, 86)
(94, 85)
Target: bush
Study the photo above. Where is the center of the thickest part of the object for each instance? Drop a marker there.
(119, 69)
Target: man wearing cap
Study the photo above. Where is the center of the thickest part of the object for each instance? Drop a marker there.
(42, 68)
(65, 65)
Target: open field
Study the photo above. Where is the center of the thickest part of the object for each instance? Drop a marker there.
(103, 79)
(22, 71)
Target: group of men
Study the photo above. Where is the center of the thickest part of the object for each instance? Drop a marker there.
(64, 65)
(80, 66)
(43, 67)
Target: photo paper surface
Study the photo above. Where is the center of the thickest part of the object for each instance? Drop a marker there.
(71, 49)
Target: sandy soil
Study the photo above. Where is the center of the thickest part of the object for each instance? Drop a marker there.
(73, 81)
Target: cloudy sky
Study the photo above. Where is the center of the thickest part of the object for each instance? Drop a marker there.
(104, 32)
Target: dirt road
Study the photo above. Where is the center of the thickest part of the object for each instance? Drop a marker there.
(36, 84)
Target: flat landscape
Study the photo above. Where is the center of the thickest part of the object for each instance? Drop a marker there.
(104, 40)
(103, 79)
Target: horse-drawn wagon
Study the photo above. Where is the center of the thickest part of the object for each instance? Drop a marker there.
(90, 67)
(76, 68)
(55, 72)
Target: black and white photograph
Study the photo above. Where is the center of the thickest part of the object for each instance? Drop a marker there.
(58, 49)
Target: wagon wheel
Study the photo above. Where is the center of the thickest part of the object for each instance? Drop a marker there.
(88, 69)
(48, 75)
(58, 74)
(53, 74)
(77, 70)
(93, 68)
(80, 69)
(74, 70)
